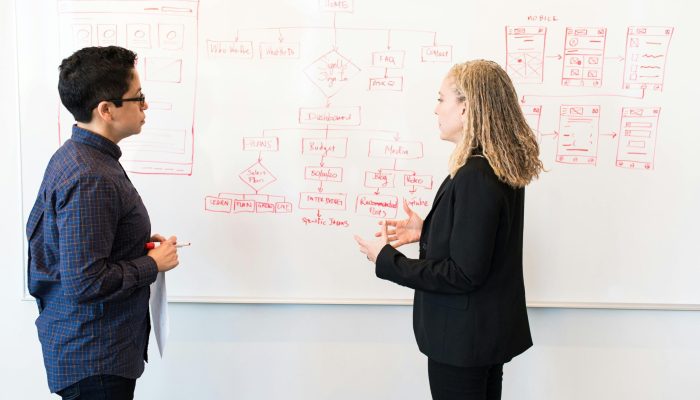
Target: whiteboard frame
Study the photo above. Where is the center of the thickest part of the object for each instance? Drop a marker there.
(408, 302)
(301, 301)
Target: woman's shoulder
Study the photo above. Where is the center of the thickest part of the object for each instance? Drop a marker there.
(477, 166)
(477, 174)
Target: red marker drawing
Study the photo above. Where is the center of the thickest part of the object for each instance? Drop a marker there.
(153, 245)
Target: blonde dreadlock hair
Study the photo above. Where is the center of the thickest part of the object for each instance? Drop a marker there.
(495, 124)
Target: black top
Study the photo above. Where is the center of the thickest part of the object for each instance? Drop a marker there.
(469, 305)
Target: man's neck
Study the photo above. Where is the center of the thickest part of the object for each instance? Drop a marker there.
(98, 129)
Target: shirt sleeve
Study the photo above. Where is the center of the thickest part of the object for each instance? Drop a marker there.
(477, 205)
(87, 215)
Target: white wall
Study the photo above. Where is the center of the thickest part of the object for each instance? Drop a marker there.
(339, 352)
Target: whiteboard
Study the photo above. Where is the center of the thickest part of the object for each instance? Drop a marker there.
(278, 129)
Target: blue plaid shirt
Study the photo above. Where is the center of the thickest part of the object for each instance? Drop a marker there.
(88, 268)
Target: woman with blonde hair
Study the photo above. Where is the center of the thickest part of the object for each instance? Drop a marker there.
(469, 312)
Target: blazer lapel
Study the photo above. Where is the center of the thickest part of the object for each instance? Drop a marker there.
(441, 191)
(426, 222)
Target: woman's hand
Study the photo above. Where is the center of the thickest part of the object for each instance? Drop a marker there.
(373, 247)
(404, 231)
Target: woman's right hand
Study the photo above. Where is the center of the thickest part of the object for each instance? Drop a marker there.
(400, 232)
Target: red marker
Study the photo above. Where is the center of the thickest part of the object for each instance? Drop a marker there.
(153, 245)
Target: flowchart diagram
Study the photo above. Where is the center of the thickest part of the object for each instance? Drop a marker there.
(277, 130)
(587, 65)
(324, 131)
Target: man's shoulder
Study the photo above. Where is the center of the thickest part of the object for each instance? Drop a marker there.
(74, 162)
(85, 155)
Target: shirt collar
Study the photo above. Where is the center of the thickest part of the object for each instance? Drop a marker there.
(92, 139)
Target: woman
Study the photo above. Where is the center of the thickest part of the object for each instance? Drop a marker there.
(469, 307)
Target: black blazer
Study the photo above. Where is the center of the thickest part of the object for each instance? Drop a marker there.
(469, 305)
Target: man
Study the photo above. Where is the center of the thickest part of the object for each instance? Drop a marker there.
(88, 267)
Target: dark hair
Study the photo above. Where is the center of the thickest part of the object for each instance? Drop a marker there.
(93, 74)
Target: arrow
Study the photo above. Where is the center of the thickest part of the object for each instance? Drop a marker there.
(618, 58)
(382, 170)
(280, 38)
(335, 34)
(388, 40)
(318, 213)
(434, 38)
(397, 136)
(376, 191)
(413, 190)
(558, 56)
(524, 97)
(554, 134)
(259, 156)
(322, 163)
(320, 187)
(236, 36)
(612, 134)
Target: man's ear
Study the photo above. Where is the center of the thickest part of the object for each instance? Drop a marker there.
(103, 111)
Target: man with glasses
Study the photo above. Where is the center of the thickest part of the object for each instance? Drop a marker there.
(88, 267)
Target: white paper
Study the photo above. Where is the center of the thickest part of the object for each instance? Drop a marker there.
(159, 312)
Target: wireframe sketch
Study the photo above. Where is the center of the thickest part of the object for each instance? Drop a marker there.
(525, 53)
(164, 35)
(646, 53)
(637, 143)
(532, 115)
(584, 50)
(578, 134)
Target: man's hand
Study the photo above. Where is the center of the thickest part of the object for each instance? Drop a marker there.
(165, 255)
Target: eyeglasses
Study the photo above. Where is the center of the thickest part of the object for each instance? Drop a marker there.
(119, 102)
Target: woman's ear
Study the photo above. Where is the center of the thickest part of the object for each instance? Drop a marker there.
(104, 111)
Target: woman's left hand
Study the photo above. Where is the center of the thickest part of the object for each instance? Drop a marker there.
(372, 247)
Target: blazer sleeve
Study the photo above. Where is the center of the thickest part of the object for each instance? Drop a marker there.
(476, 203)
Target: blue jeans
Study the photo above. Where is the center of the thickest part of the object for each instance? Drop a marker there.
(100, 387)
(448, 382)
